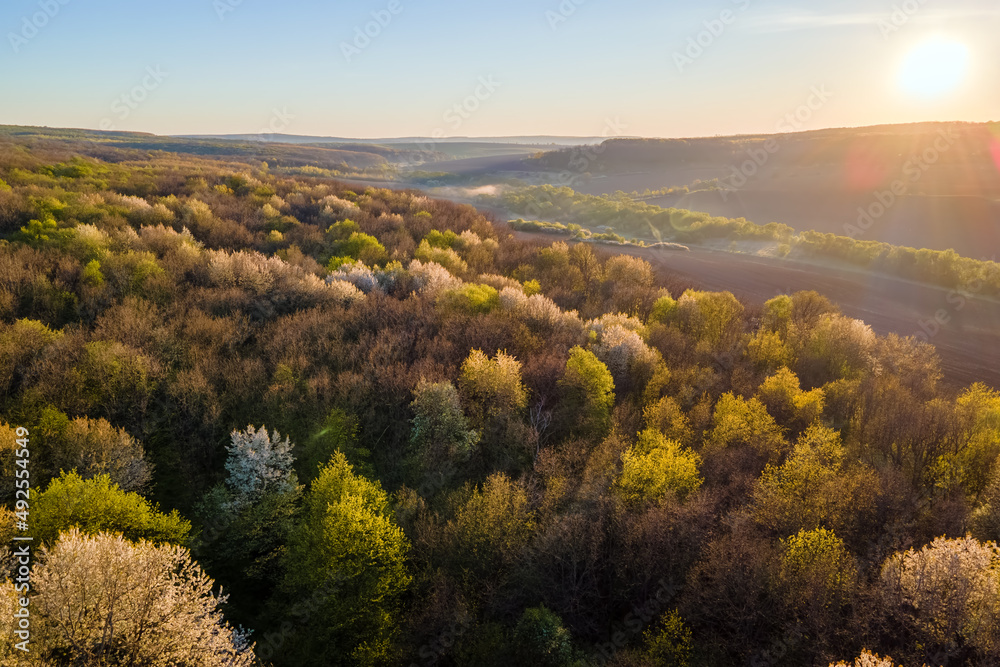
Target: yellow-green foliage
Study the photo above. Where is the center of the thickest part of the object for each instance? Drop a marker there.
(470, 299)
(491, 528)
(814, 488)
(769, 351)
(667, 417)
(21, 342)
(739, 421)
(970, 468)
(664, 310)
(778, 314)
(784, 399)
(492, 387)
(92, 274)
(96, 505)
(446, 257)
(818, 562)
(656, 467)
(357, 246)
(589, 391)
(341, 229)
(348, 538)
(45, 232)
(669, 642)
(712, 317)
(446, 239)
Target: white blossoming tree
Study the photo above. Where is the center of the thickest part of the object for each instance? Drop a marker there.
(102, 600)
(258, 463)
(245, 520)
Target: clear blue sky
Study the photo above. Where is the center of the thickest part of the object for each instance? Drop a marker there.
(608, 59)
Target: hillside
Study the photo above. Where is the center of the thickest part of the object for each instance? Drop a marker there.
(946, 179)
(394, 432)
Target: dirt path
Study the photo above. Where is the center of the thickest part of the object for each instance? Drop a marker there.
(965, 329)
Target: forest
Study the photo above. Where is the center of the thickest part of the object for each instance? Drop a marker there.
(628, 214)
(274, 420)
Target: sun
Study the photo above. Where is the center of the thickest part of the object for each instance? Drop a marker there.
(934, 68)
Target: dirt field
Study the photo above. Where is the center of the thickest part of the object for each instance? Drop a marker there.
(965, 329)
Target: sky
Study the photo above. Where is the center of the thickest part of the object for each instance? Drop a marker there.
(390, 68)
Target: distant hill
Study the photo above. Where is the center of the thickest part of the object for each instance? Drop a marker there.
(925, 185)
(540, 140)
(867, 157)
(136, 145)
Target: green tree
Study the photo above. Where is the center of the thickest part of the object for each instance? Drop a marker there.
(784, 399)
(768, 351)
(446, 257)
(358, 246)
(440, 433)
(93, 447)
(540, 639)
(338, 431)
(489, 531)
(92, 275)
(588, 394)
(445, 239)
(664, 310)
(349, 545)
(656, 467)
(816, 579)
(492, 387)
(669, 642)
(814, 489)
(738, 421)
(978, 413)
(470, 300)
(97, 505)
(246, 520)
(713, 317)
(667, 417)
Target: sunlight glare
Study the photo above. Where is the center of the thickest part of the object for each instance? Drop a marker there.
(934, 68)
